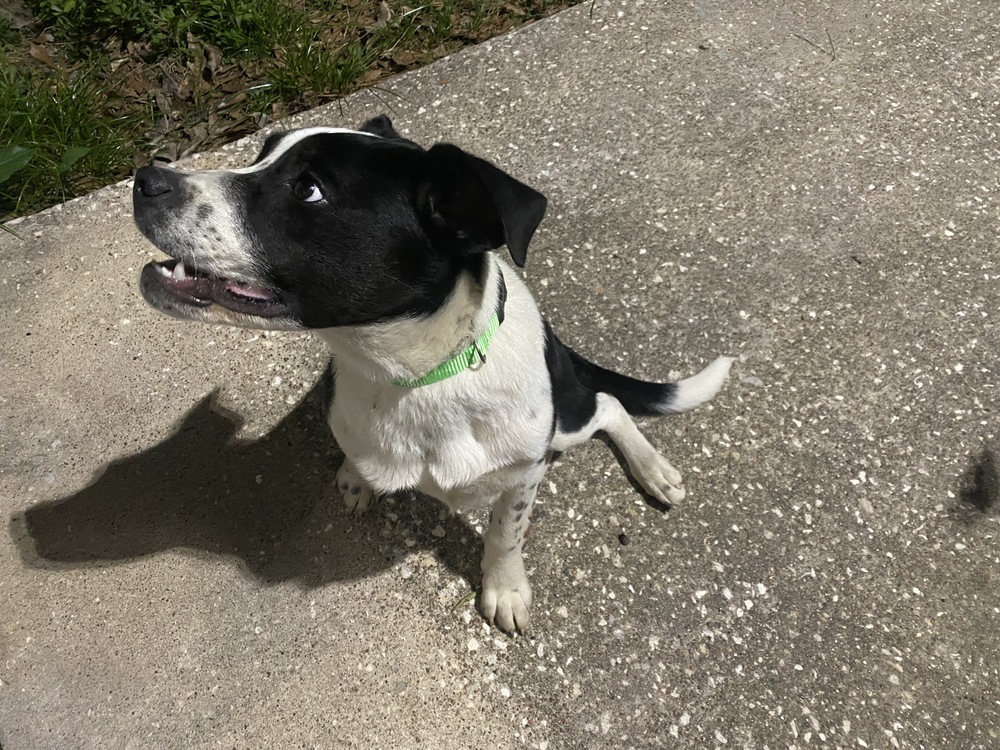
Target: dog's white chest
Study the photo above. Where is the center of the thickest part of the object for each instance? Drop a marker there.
(450, 447)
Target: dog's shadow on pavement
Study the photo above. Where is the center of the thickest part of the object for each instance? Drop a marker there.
(269, 502)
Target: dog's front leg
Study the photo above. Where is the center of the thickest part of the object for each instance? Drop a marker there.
(506, 598)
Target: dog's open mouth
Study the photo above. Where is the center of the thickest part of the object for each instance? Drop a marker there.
(184, 284)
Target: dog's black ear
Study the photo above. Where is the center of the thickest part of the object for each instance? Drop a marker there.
(475, 206)
(269, 145)
(380, 126)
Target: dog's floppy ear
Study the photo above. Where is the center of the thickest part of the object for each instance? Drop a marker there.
(474, 206)
(380, 126)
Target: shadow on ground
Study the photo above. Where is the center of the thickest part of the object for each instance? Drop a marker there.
(979, 488)
(270, 502)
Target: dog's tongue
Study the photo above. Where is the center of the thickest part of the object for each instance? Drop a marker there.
(249, 290)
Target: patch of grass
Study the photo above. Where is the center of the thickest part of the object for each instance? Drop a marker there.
(96, 87)
(61, 120)
(237, 27)
(309, 67)
(248, 28)
(441, 20)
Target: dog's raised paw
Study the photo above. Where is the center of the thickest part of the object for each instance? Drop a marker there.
(660, 479)
(358, 496)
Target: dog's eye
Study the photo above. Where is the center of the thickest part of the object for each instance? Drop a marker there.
(308, 190)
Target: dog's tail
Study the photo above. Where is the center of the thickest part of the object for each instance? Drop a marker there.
(644, 399)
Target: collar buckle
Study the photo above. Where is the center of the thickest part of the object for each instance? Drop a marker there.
(466, 359)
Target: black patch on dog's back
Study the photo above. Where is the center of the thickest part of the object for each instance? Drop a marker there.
(639, 397)
(573, 403)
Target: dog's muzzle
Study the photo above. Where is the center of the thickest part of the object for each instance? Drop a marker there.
(177, 286)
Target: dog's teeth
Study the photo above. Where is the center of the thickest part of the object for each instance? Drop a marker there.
(179, 271)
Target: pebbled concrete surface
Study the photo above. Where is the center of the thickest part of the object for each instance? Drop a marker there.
(814, 190)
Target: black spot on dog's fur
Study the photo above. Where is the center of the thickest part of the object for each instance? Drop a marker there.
(204, 211)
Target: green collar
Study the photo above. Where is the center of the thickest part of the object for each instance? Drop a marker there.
(465, 359)
(475, 352)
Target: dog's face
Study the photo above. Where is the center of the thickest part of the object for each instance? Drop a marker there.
(328, 227)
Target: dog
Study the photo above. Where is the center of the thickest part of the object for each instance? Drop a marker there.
(446, 378)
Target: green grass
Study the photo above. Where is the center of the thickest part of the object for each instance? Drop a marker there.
(122, 78)
(237, 27)
(441, 20)
(59, 128)
(310, 67)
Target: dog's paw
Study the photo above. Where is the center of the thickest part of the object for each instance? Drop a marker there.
(660, 479)
(506, 599)
(358, 496)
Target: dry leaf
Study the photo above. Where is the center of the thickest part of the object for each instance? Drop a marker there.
(405, 58)
(213, 60)
(41, 54)
(168, 152)
(160, 129)
(197, 135)
(384, 14)
(135, 85)
(238, 99)
(162, 102)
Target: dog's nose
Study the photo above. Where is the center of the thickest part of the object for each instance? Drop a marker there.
(152, 182)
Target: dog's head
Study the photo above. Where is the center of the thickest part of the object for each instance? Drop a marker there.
(328, 227)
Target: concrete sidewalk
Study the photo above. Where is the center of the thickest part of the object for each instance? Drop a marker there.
(814, 190)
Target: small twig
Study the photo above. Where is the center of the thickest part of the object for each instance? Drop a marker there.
(831, 52)
(810, 42)
(374, 89)
(8, 230)
(383, 101)
(391, 93)
(463, 601)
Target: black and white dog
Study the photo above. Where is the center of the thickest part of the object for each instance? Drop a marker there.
(447, 379)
